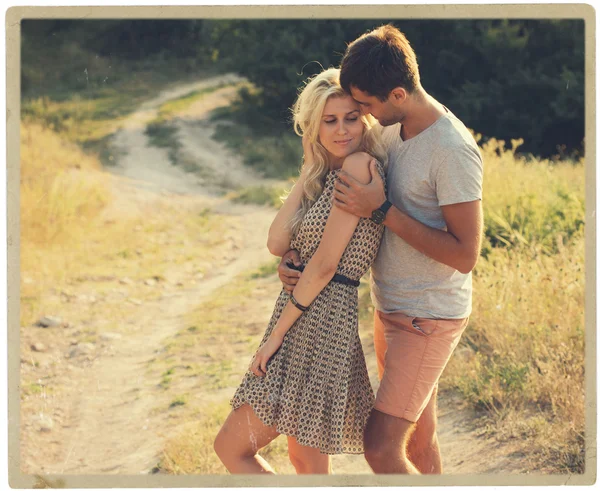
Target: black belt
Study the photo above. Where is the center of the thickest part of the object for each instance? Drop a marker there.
(338, 278)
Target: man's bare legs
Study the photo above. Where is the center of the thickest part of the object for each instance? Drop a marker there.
(385, 444)
(423, 447)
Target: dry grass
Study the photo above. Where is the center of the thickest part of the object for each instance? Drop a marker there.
(66, 236)
(62, 188)
(522, 356)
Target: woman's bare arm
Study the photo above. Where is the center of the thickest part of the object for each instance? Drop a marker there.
(280, 234)
(322, 266)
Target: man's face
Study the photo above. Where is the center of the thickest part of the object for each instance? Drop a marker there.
(384, 112)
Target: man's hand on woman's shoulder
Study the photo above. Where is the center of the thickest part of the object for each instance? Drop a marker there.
(354, 196)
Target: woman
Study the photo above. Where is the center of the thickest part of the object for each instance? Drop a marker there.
(308, 380)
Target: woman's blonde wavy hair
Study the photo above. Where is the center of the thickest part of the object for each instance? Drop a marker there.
(307, 112)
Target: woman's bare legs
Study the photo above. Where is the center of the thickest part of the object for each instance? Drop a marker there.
(242, 435)
(307, 460)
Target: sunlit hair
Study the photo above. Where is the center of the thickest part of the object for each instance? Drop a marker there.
(308, 111)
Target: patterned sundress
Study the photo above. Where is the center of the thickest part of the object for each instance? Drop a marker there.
(317, 388)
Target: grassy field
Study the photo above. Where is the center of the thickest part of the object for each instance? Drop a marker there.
(521, 361)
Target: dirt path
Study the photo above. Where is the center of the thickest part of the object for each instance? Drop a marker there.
(104, 421)
(101, 418)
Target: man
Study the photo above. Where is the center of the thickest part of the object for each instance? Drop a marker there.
(421, 278)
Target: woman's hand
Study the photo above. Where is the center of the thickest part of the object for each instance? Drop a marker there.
(259, 365)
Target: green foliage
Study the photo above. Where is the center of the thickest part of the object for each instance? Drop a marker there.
(171, 107)
(162, 135)
(279, 55)
(505, 78)
(514, 78)
(527, 221)
(270, 148)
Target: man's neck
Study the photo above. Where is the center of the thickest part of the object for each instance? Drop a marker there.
(424, 112)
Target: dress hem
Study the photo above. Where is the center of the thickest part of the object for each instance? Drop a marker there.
(326, 452)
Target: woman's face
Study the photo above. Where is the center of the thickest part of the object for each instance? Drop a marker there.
(341, 128)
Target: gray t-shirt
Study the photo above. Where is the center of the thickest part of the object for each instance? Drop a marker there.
(440, 166)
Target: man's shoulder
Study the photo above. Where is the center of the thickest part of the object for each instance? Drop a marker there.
(390, 135)
(453, 134)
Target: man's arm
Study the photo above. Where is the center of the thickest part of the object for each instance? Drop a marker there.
(458, 247)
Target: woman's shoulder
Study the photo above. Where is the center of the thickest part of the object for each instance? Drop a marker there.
(357, 165)
(358, 158)
(361, 159)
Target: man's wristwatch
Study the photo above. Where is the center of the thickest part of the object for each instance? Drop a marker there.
(378, 215)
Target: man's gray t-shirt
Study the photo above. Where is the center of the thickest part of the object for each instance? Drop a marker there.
(440, 166)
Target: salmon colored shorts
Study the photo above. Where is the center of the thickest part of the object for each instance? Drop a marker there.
(412, 353)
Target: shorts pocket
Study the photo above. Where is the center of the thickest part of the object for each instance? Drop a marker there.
(425, 327)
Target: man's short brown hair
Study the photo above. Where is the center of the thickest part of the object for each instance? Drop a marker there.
(380, 61)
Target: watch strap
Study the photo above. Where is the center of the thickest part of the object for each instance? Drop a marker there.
(385, 206)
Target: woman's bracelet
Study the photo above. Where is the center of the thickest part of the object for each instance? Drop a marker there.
(296, 304)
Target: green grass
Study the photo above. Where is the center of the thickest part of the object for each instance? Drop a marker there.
(260, 195)
(266, 270)
(164, 135)
(273, 156)
(178, 401)
(170, 108)
(269, 147)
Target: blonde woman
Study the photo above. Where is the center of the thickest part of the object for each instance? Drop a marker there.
(308, 380)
